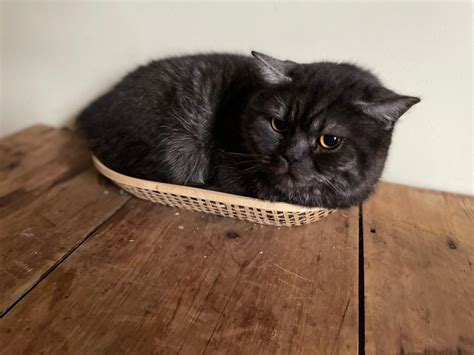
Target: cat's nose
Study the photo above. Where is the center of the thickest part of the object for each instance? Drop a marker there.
(282, 165)
(290, 158)
(296, 150)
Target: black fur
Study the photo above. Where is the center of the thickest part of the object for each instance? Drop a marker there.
(205, 120)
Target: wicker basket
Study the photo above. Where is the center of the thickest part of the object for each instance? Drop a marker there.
(219, 203)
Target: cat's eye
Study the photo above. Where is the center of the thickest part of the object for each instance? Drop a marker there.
(329, 142)
(279, 125)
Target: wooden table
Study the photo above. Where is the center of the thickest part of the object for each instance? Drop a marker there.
(85, 268)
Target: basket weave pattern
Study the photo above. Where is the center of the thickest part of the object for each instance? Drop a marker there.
(218, 203)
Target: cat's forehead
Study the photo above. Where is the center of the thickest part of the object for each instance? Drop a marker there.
(318, 102)
(329, 122)
(297, 100)
(317, 95)
(320, 114)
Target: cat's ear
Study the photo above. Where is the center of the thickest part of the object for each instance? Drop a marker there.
(387, 107)
(272, 70)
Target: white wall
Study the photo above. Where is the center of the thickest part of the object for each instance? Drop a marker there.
(58, 56)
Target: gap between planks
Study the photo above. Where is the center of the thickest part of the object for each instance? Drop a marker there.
(361, 283)
(58, 262)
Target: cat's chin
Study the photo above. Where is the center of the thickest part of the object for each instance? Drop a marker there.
(287, 182)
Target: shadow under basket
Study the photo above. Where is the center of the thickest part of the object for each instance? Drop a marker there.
(218, 203)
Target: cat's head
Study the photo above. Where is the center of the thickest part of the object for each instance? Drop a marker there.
(321, 132)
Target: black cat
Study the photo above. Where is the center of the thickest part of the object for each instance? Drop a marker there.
(309, 134)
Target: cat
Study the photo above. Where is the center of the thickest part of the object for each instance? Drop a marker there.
(308, 134)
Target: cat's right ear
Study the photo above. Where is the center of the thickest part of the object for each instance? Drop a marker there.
(272, 70)
(387, 107)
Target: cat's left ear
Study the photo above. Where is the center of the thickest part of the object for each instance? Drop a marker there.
(273, 71)
(388, 107)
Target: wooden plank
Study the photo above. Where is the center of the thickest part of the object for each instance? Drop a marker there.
(33, 159)
(150, 280)
(419, 280)
(50, 200)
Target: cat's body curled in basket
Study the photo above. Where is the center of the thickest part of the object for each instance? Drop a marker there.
(308, 134)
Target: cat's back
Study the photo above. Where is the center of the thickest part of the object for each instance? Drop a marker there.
(160, 112)
(199, 72)
(167, 86)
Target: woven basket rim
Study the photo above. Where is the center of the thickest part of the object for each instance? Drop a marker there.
(199, 193)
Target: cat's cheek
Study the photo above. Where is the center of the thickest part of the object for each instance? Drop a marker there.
(266, 142)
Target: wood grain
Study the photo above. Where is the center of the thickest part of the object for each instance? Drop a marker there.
(419, 279)
(152, 279)
(50, 200)
(34, 159)
(85, 269)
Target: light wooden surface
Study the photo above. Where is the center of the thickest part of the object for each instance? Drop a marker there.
(149, 279)
(85, 269)
(141, 284)
(50, 200)
(419, 278)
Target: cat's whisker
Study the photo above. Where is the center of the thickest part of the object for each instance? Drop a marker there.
(240, 154)
(235, 163)
(250, 169)
(256, 161)
(330, 184)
